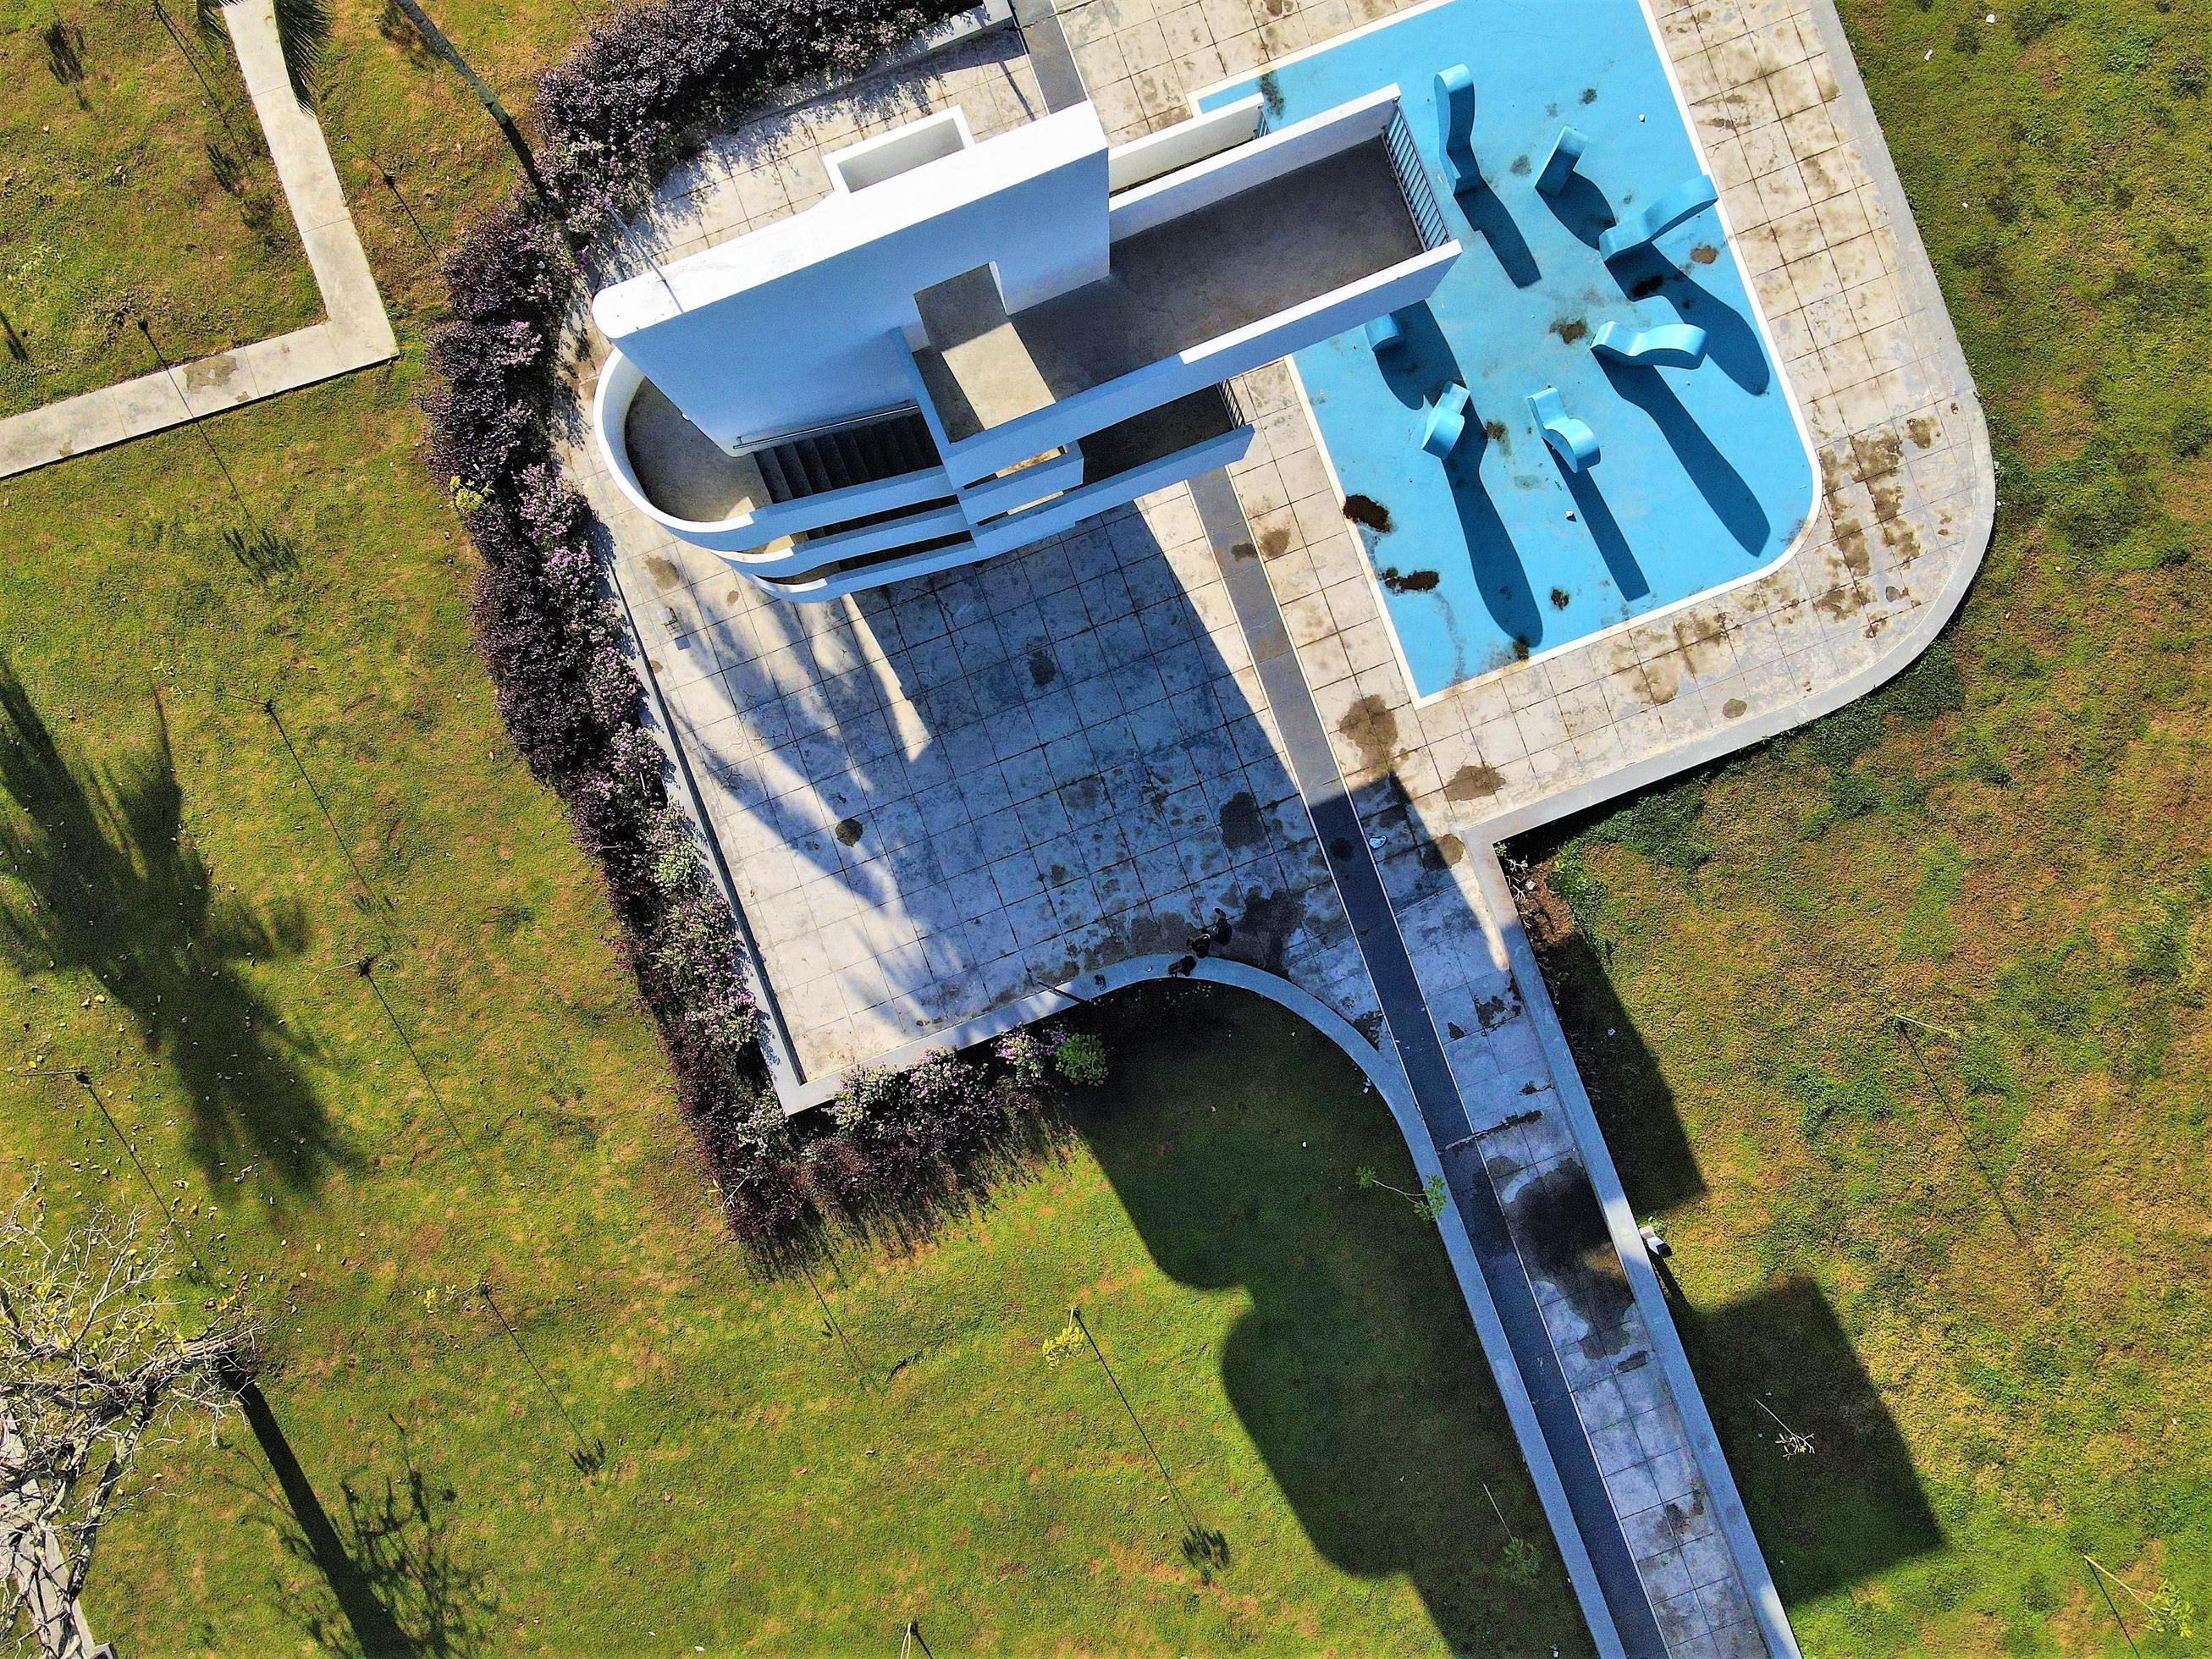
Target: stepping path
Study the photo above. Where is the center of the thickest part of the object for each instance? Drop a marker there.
(355, 334)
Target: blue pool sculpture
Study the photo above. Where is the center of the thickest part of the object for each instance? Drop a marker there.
(1455, 126)
(1386, 333)
(1571, 440)
(1447, 421)
(1686, 200)
(1704, 477)
(1669, 345)
(1559, 166)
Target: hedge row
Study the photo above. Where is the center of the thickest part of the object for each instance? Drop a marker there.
(614, 116)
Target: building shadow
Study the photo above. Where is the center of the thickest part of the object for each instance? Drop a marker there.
(1852, 1506)
(109, 883)
(1356, 1370)
(1715, 475)
(396, 1588)
(1730, 340)
(1629, 1093)
(1777, 1368)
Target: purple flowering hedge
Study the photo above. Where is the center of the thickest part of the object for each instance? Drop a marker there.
(614, 116)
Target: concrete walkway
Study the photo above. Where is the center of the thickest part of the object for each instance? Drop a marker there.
(1559, 1456)
(356, 333)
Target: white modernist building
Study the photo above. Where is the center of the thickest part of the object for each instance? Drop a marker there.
(966, 347)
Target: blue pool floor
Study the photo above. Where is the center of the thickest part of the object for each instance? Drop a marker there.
(1702, 479)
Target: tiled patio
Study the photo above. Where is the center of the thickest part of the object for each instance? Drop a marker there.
(943, 795)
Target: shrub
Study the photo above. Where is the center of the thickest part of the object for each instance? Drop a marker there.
(1023, 1053)
(613, 114)
(1080, 1058)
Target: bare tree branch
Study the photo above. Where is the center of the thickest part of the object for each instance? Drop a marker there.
(99, 1362)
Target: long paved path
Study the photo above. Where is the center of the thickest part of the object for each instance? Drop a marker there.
(1625, 1622)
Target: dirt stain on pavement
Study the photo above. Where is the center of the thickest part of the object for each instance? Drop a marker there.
(1372, 730)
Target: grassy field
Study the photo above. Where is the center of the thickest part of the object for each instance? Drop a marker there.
(183, 905)
(1976, 1284)
(135, 185)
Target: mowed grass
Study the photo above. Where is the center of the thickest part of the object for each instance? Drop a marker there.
(184, 908)
(1979, 1286)
(134, 184)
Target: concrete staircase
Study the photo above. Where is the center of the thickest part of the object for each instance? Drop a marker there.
(821, 461)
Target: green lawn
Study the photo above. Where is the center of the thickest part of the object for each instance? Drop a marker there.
(135, 185)
(2024, 872)
(1978, 1287)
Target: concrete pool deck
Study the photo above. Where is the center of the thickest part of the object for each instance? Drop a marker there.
(1905, 502)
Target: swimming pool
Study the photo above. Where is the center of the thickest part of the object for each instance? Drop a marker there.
(1703, 477)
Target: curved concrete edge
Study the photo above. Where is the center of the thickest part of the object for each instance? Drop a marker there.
(1381, 1070)
(1909, 641)
(355, 334)
(1635, 1259)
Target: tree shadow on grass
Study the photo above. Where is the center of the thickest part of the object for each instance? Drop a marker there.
(106, 881)
(1851, 1508)
(1233, 1134)
(395, 1585)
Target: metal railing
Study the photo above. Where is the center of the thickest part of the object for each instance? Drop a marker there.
(1413, 183)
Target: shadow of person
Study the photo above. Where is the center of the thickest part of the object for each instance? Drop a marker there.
(396, 1586)
(1730, 340)
(1355, 1371)
(1712, 472)
(112, 886)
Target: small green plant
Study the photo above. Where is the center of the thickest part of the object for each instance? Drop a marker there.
(1026, 1056)
(1080, 1059)
(1431, 1201)
(1064, 1344)
(2165, 1610)
(1522, 1563)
